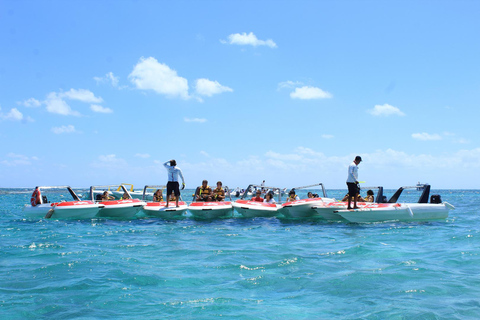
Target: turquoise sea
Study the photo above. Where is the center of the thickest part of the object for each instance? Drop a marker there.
(236, 268)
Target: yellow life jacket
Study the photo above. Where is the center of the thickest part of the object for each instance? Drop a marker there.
(203, 190)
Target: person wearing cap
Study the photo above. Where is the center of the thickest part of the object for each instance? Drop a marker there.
(172, 184)
(352, 183)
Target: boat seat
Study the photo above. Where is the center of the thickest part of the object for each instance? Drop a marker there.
(44, 199)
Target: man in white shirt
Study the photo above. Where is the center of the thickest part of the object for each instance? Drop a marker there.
(172, 184)
(352, 182)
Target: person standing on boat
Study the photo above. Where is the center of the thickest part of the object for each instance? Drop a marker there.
(352, 182)
(172, 184)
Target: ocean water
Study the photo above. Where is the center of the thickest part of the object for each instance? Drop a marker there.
(237, 268)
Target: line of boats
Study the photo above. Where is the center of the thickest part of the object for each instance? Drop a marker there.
(127, 204)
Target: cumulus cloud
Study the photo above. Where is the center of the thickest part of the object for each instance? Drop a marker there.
(149, 74)
(14, 159)
(30, 103)
(63, 129)
(250, 39)
(100, 109)
(81, 95)
(55, 104)
(108, 78)
(385, 110)
(208, 88)
(426, 136)
(199, 120)
(307, 93)
(13, 115)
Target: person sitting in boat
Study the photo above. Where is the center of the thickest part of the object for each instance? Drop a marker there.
(172, 197)
(310, 195)
(292, 196)
(125, 196)
(269, 198)
(204, 193)
(105, 196)
(359, 198)
(158, 196)
(258, 196)
(218, 192)
(369, 197)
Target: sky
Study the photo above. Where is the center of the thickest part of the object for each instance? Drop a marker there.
(104, 92)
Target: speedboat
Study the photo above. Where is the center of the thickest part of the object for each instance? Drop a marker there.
(159, 209)
(250, 209)
(113, 208)
(420, 211)
(327, 210)
(211, 210)
(304, 208)
(41, 207)
(116, 191)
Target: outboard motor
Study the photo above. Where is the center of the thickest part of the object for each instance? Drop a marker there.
(435, 198)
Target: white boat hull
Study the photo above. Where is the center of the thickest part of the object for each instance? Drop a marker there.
(210, 210)
(64, 210)
(251, 209)
(303, 208)
(399, 212)
(122, 209)
(158, 209)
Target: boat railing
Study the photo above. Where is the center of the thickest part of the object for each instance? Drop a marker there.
(252, 187)
(121, 186)
(42, 188)
(313, 185)
(422, 199)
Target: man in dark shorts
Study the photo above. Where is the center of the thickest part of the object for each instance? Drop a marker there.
(172, 184)
(352, 182)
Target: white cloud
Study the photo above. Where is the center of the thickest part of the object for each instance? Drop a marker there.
(18, 160)
(385, 110)
(55, 104)
(149, 74)
(306, 93)
(289, 84)
(208, 88)
(109, 161)
(30, 103)
(81, 95)
(63, 129)
(426, 136)
(248, 39)
(327, 136)
(100, 109)
(142, 155)
(108, 78)
(199, 120)
(13, 115)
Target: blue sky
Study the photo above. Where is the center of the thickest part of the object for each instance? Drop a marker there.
(103, 92)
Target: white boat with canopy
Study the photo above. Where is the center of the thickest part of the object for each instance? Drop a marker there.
(123, 208)
(250, 208)
(423, 210)
(49, 202)
(158, 208)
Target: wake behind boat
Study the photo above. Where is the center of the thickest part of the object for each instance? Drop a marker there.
(41, 207)
(158, 208)
(304, 208)
(420, 211)
(250, 208)
(113, 208)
